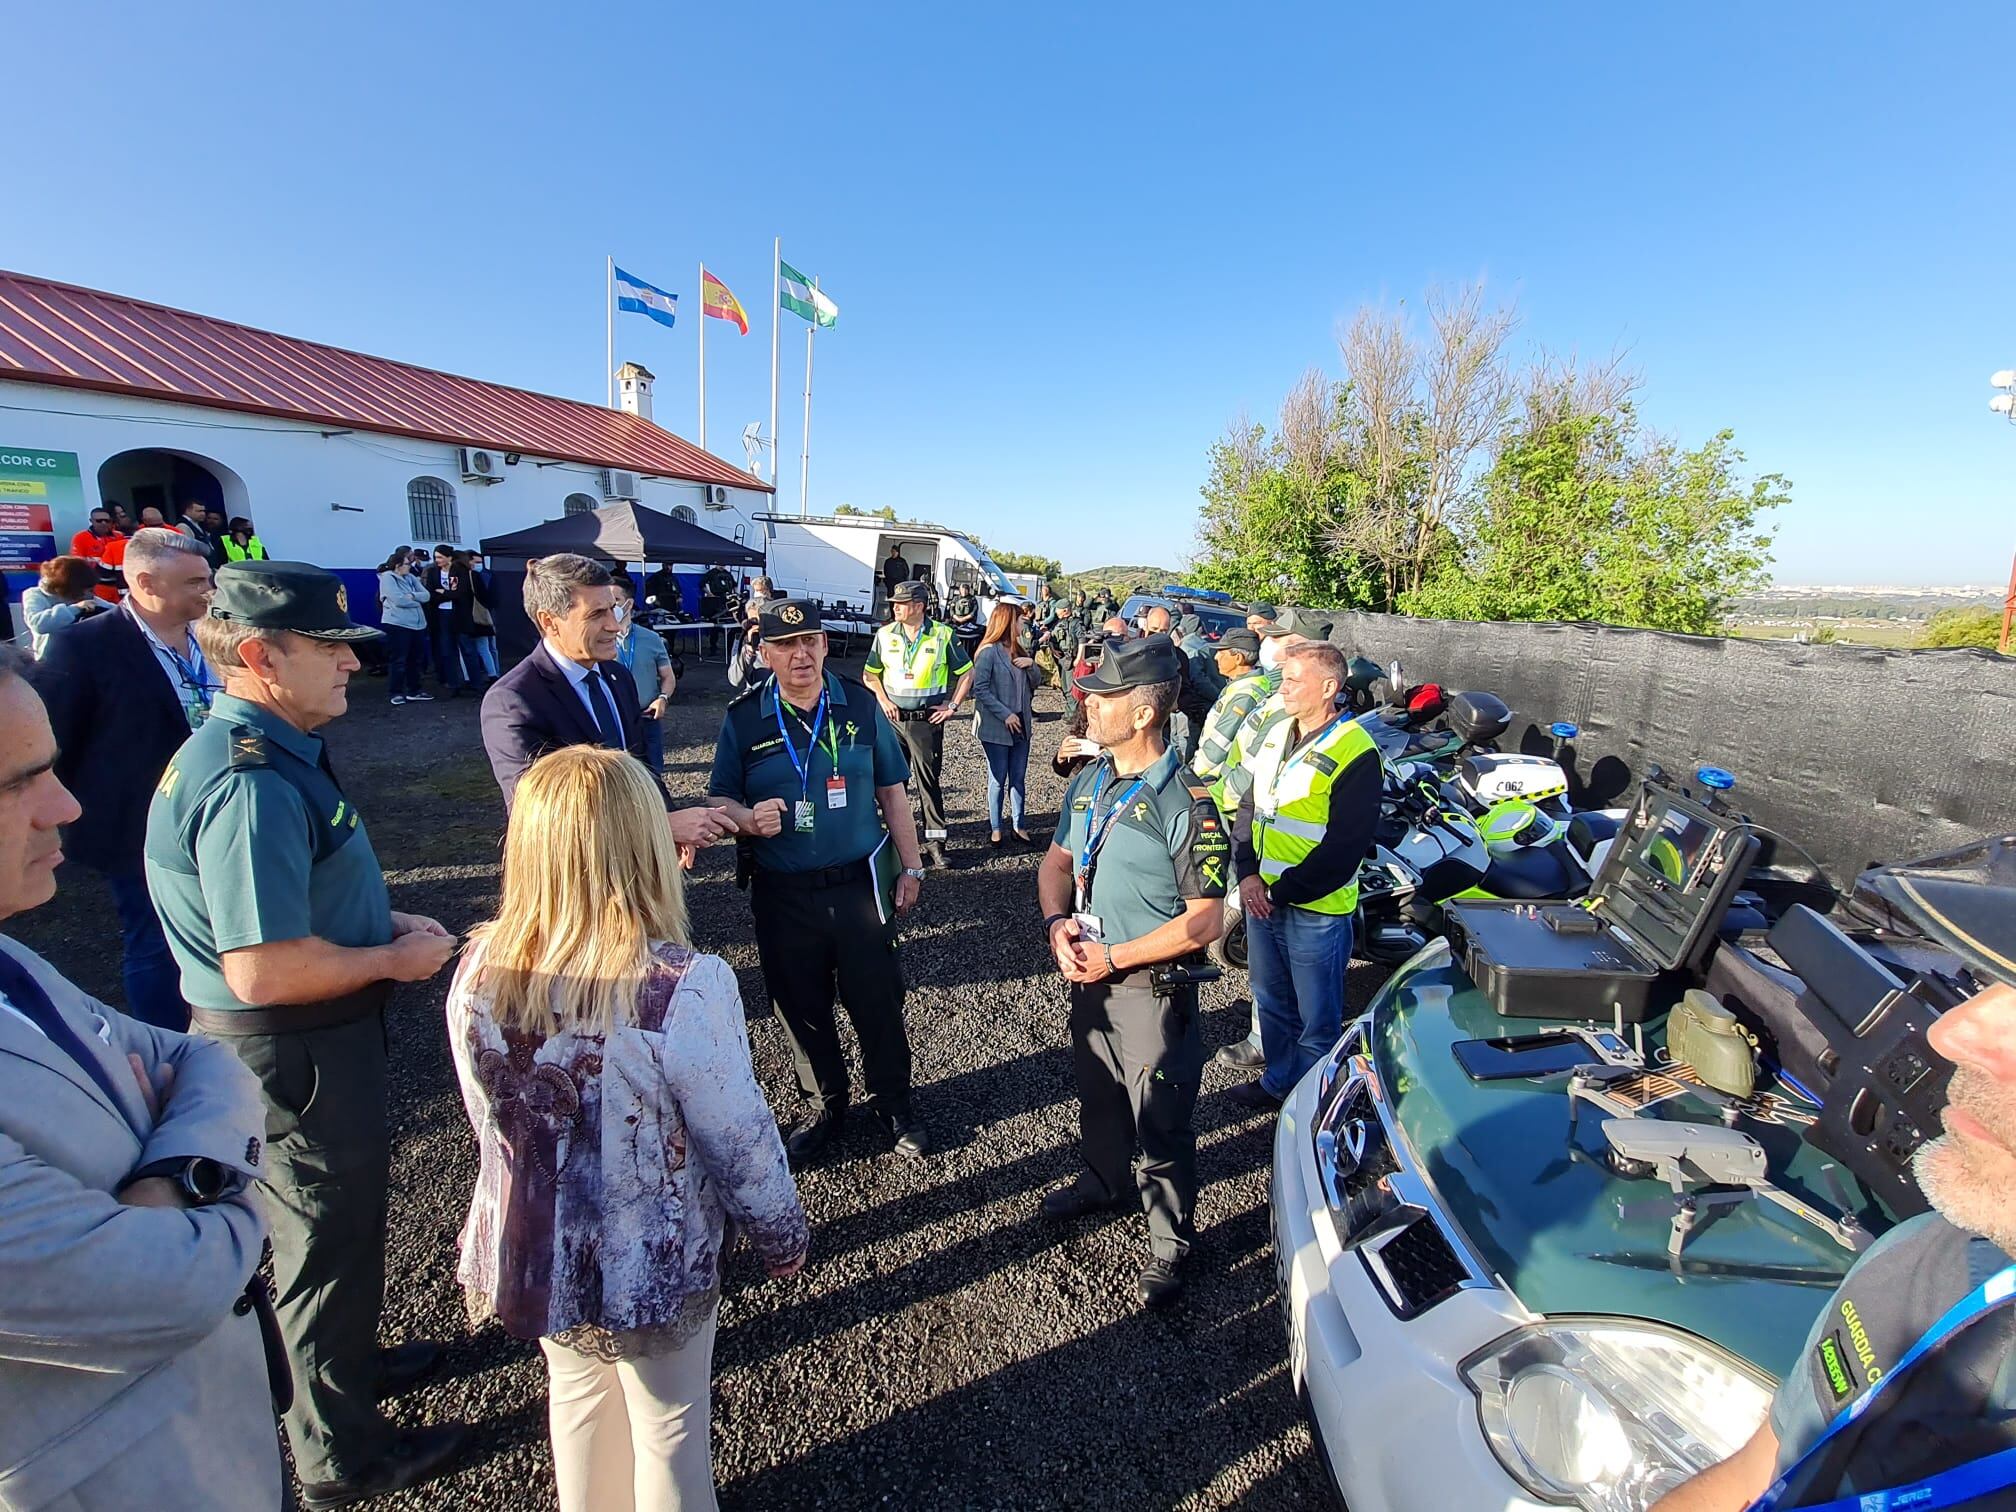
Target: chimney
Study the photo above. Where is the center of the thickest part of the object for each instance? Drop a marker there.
(633, 389)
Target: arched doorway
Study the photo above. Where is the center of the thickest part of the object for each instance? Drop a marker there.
(158, 477)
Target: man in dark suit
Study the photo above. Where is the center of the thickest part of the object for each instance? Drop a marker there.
(123, 690)
(568, 690)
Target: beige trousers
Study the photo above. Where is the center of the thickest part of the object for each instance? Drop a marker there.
(633, 1434)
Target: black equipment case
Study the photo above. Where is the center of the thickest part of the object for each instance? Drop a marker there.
(1651, 915)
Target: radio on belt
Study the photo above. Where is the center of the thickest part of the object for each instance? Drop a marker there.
(1650, 916)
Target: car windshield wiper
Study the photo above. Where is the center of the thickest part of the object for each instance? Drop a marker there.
(1784, 1275)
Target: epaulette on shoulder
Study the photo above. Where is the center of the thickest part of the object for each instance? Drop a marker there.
(248, 749)
(1199, 789)
(747, 693)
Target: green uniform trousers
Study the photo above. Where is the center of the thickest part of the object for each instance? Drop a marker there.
(1138, 1059)
(329, 1152)
(924, 744)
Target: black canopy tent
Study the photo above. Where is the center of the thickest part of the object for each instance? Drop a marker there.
(621, 534)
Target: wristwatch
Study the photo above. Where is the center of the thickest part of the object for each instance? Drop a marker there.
(202, 1180)
(915, 873)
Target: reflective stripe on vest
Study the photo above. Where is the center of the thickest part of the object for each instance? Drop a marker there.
(1291, 799)
(1236, 780)
(918, 670)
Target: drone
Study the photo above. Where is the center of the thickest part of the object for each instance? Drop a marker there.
(1710, 1168)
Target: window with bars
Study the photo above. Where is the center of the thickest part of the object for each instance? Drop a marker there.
(578, 504)
(684, 512)
(430, 504)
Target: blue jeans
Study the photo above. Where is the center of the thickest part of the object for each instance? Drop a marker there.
(152, 980)
(654, 743)
(1295, 960)
(403, 649)
(479, 662)
(1007, 771)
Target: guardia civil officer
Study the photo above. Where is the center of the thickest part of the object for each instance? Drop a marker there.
(1132, 891)
(911, 667)
(275, 907)
(813, 777)
(1905, 1394)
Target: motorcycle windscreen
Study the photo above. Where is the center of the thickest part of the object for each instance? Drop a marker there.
(1963, 900)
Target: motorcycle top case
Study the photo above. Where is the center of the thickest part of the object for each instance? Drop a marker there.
(1477, 717)
(1651, 914)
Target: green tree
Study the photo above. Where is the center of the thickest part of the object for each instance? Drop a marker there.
(845, 509)
(1581, 517)
(1049, 569)
(1579, 524)
(1963, 627)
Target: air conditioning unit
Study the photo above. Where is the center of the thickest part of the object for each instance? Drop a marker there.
(480, 465)
(715, 495)
(618, 485)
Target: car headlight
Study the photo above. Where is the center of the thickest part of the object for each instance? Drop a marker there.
(1607, 1415)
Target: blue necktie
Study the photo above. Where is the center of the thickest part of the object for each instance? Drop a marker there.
(21, 990)
(605, 712)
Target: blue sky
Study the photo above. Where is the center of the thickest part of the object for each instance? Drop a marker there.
(1070, 243)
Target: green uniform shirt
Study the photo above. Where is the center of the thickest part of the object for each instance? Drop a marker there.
(1167, 846)
(1897, 1289)
(751, 763)
(251, 842)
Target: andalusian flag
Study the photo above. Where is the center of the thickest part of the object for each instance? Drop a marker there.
(799, 297)
(716, 300)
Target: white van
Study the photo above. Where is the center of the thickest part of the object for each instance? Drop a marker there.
(838, 559)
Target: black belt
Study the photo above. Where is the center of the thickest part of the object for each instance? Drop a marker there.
(906, 716)
(844, 875)
(288, 1018)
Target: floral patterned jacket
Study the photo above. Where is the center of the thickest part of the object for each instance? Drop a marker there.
(609, 1165)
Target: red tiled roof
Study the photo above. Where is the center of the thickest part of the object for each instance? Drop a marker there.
(80, 338)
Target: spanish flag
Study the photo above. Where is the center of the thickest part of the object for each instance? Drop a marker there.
(716, 300)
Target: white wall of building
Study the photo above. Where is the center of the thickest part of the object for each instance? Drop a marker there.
(286, 475)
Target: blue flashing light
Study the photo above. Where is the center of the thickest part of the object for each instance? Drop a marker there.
(1718, 778)
(1562, 730)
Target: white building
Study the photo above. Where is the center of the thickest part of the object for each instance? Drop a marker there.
(336, 457)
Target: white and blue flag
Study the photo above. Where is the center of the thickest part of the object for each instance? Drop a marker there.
(640, 298)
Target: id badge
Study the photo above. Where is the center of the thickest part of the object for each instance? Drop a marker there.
(1088, 927)
(801, 816)
(836, 792)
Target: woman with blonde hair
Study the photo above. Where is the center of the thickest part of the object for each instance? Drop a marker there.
(605, 1068)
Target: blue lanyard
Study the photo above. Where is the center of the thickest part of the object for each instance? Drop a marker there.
(195, 675)
(801, 765)
(1097, 829)
(1948, 1488)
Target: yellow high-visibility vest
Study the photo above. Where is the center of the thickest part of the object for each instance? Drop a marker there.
(1291, 799)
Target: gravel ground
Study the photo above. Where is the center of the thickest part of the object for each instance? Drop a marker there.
(946, 1347)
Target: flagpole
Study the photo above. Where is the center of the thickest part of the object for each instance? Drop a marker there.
(776, 278)
(702, 317)
(805, 446)
(609, 334)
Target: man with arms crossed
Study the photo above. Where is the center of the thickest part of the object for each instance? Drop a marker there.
(128, 1226)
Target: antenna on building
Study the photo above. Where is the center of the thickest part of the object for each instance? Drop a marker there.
(754, 444)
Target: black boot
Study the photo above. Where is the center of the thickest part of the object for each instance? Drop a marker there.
(812, 1137)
